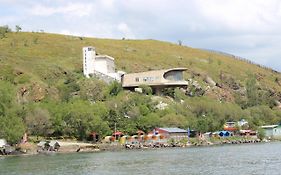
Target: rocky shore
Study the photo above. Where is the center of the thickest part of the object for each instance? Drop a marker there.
(194, 144)
(72, 147)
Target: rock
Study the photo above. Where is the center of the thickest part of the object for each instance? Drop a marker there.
(161, 105)
(210, 81)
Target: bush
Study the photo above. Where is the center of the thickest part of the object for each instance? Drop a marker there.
(146, 89)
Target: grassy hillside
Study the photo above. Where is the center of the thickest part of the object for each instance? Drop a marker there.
(43, 91)
(38, 54)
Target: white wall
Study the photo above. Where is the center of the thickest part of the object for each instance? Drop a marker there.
(102, 63)
(89, 54)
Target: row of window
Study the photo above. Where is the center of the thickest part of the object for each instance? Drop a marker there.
(146, 79)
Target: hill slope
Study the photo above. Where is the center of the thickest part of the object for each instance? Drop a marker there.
(42, 74)
(32, 52)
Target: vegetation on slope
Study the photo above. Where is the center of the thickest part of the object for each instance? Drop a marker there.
(43, 91)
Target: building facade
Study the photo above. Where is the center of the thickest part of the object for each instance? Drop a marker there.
(157, 79)
(101, 66)
(272, 131)
(173, 133)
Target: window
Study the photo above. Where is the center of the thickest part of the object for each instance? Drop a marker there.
(137, 79)
(174, 75)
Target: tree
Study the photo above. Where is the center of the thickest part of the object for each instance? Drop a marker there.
(149, 122)
(261, 133)
(114, 88)
(11, 128)
(92, 90)
(146, 89)
(18, 28)
(174, 120)
(3, 30)
(179, 42)
(38, 122)
(252, 91)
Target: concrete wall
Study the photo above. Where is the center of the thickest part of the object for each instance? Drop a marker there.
(104, 64)
(89, 54)
(277, 132)
(154, 78)
(273, 132)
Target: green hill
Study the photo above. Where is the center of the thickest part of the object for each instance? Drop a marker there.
(40, 71)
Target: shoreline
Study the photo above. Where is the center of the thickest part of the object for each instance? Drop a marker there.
(115, 147)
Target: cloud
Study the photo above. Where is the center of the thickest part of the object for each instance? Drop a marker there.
(125, 30)
(250, 29)
(70, 9)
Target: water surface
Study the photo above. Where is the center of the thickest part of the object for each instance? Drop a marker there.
(245, 159)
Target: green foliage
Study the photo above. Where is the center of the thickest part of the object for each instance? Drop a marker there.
(78, 118)
(149, 122)
(75, 106)
(92, 90)
(169, 92)
(261, 133)
(252, 91)
(38, 122)
(114, 88)
(146, 89)
(12, 128)
(11, 125)
(4, 30)
(174, 120)
(179, 94)
(18, 28)
(22, 79)
(6, 73)
(69, 87)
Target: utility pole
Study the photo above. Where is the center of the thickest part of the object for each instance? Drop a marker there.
(115, 130)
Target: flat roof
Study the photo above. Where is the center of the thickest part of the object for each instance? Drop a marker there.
(161, 70)
(105, 56)
(269, 126)
(174, 130)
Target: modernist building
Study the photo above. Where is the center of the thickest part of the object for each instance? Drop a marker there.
(102, 66)
(157, 79)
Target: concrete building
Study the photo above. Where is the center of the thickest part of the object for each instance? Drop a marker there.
(157, 79)
(101, 66)
(272, 131)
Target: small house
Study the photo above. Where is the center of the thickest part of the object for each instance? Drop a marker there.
(248, 133)
(175, 133)
(272, 131)
(230, 126)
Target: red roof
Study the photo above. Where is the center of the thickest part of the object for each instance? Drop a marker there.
(118, 133)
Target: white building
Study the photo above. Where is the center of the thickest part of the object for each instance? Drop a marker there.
(102, 66)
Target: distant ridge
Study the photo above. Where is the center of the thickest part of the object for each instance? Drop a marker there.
(240, 59)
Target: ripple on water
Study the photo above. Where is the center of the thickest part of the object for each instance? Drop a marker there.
(227, 160)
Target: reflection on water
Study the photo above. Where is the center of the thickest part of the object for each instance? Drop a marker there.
(226, 160)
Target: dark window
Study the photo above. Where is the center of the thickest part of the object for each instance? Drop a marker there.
(174, 75)
(137, 79)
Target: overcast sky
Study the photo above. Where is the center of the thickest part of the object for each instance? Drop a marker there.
(246, 28)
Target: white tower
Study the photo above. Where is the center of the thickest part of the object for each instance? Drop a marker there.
(89, 55)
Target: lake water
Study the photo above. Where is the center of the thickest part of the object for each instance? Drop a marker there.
(246, 159)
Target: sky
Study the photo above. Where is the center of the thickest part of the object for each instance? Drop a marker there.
(247, 28)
